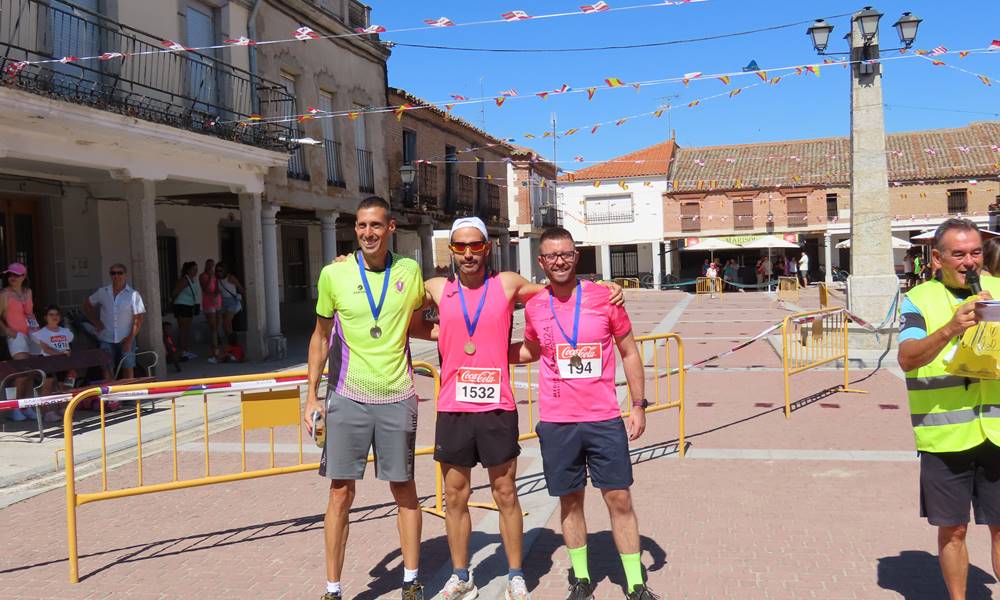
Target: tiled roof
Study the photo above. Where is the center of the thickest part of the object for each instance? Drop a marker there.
(654, 160)
(417, 101)
(965, 152)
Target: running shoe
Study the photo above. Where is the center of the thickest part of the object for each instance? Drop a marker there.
(581, 589)
(517, 589)
(641, 592)
(456, 589)
(331, 596)
(190, 355)
(413, 590)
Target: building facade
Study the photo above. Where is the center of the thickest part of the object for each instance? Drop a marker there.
(460, 170)
(800, 190)
(615, 212)
(153, 158)
(533, 206)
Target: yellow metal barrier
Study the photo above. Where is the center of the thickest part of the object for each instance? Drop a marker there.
(824, 296)
(788, 289)
(813, 339)
(709, 285)
(259, 410)
(628, 282)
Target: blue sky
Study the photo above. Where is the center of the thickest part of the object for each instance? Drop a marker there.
(798, 107)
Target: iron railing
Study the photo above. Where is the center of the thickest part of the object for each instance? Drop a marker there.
(334, 172)
(466, 185)
(297, 168)
(366, 172)
(546, 216)
(490, 209)
(186, 89)
(427, 184)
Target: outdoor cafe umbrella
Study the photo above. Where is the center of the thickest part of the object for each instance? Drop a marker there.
(770, 241)
(712, 244)
(927, 238)
(896, 243)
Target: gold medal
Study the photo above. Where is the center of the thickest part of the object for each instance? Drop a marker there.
(470, 348)
(576, 362)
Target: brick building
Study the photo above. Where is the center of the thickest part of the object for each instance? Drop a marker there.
(800, 189)
(532, 204)
(460, 170)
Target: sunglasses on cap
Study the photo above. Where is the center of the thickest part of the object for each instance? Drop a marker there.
(474, 247)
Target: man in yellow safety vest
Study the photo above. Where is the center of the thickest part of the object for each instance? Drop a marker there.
(956, 420)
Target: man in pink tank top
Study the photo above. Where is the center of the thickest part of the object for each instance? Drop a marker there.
(573, 328)
(477, 416)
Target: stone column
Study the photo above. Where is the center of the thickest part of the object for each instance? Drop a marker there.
(254, 302)
(605, 250)
(827, 258)
(328, 231)
(526, 258)
(505, 252)
(272, 300)
(655, 246)
(873, 282)
(426, 233)
(144, 272)
(669, 260)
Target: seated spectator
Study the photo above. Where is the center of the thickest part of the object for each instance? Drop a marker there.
(55, 340)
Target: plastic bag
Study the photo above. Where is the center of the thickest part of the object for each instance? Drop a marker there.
(977, 354)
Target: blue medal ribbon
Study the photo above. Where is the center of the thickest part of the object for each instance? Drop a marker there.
(376, 310)
(471, 325)
(576, 317)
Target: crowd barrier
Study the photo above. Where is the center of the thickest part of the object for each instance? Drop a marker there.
(709, 285)
(824, 295)
(813, 339)
(788, 289)
(628, 282)
(267, 401)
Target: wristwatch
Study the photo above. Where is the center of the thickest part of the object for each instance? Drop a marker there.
(644, 404)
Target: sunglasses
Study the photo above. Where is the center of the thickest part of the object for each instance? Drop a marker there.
(474, 247)
(113, 273)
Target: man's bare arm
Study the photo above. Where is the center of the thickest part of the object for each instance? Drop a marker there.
(636, 379)
(319, 349)
(523, 352)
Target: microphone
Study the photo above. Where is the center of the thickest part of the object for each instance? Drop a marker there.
(972, 278)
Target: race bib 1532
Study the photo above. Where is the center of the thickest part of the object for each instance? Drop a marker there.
(479, 386)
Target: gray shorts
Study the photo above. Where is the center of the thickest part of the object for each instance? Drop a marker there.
(354, 428)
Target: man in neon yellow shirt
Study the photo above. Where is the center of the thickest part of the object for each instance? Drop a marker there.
(363, 312)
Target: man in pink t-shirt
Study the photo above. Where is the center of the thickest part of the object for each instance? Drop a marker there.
(572, 328)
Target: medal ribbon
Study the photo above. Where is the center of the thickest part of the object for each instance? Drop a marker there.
(576, 317)
(376, 310)
(471, 325)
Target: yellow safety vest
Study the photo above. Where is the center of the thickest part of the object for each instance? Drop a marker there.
(950, 413)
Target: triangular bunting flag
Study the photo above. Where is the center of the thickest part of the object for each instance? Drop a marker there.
(774, 80)
(751, 66)
(985, 80)
(500, 100)
(735, 92)
(620, 122)
(591, 92)
(571, 131)
(399, 110)
(594, 130)
(613, 82)
(694, 103)
(597, 183)
(622, 184)
(658, 113)
(724, 79)
(762, 75)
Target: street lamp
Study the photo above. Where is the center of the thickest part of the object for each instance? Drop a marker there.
(907, 26)
(868, 20)
(407, 173)
(820, 33)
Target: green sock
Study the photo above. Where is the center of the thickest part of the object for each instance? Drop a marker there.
(633, 570)
(578, 558)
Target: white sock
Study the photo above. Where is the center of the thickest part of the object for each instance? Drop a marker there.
(409, 575)
(333, 587)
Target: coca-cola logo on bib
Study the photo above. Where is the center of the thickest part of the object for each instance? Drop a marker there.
(584, 351)
(479, 376)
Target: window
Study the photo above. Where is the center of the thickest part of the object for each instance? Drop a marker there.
(690, 216)
(450, 177)
(484, 209)
(409, 146)
(334, 172)
(608, 209)
(831, 206)
(201, 26)
(297, 159)
(366, 166)
(797, 215)
(743, 214)
(958, 202)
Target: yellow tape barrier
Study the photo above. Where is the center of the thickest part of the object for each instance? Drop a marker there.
(280, 406)
(813, 339)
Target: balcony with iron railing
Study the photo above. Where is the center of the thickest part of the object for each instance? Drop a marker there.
(490, 209)
(466, 192)
(334, 170)
(136, 76)
(366, 172)
(546, 216)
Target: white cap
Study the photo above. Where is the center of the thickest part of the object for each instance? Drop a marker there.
(474, 222)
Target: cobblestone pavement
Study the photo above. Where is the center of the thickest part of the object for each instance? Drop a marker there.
(821, 505)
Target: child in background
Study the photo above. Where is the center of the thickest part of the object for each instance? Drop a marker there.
(173, 354)
(54, 340)
(233, 352)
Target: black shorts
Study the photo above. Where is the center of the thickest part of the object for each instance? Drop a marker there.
(571, 450)
(465, 438)
(184, 311)
(951, 481)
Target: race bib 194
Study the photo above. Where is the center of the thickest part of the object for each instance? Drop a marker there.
(479, 386)
(589, 366)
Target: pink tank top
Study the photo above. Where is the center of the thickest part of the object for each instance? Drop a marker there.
(18, 313)
(479, 382)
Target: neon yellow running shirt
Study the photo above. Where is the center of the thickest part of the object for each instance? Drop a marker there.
(363, 368)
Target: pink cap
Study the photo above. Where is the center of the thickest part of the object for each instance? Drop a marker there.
(16, 269)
